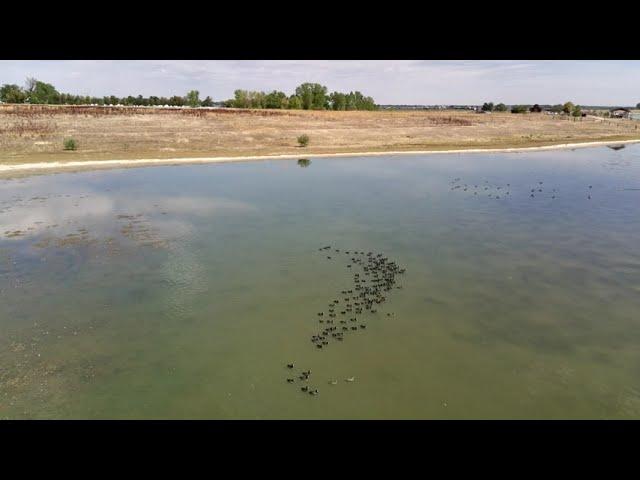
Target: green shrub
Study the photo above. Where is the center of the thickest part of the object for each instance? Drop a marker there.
(519, 109)
(70, 144)
(303, 140)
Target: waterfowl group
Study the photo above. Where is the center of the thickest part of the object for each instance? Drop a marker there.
(376, 277)
(493, 191)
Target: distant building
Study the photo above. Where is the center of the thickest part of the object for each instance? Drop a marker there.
(535, 109)
(620, 113)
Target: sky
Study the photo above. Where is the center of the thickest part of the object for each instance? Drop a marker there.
(424, 82)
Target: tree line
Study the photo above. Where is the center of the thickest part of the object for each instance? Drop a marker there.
(308, 96)
(568, 108)
(38, 92)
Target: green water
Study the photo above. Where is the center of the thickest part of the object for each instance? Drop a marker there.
(184, 291)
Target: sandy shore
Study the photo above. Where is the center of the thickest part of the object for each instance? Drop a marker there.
(127, 163)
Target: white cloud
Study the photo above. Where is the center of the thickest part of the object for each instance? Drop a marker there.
(394, 81)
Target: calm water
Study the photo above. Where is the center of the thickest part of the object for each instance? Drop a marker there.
(183, 292)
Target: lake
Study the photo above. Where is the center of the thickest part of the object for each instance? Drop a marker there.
(488, 286)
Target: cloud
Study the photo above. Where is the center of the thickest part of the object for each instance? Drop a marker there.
(388, 81)
(34, 214)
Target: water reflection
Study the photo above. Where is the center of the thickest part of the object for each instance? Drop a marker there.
(183, 292)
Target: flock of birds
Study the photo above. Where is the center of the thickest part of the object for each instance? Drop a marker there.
(504, 191)
(346, 314)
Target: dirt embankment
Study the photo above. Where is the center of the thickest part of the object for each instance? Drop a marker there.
(36, 134)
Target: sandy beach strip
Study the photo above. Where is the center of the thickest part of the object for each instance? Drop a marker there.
(143, 162)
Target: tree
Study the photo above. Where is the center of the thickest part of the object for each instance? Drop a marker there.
(12, 94)
(207, 102)
(295, 103)
(501, 107)
(313, 96)
(519, 109)
(568, 108)
(577, 111)
(30, 84)
(241, 99)
(338, 101)
(257, 99)
(487, 107)
(193, 98)
(40, 92)
(276, 99)
(303, 140)
(176, 101)
(638, 105)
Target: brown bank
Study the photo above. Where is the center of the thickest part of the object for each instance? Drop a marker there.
(33, 136)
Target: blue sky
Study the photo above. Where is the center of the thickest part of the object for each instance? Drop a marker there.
(388, 81)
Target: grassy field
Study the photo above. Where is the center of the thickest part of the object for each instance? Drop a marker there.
(37, 133)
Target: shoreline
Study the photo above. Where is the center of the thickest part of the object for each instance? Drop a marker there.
(144, 162)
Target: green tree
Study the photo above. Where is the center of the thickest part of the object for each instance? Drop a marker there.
(487, 107)
(257, 99)
(338, 101)
(241, 99)
(276, 99)
(176, 101)
(193, 98)
(519, 108)
(313, 96)
(207, 102)
(568, 107)
(12, 94)
(303, 140)
(295, 103)
(40, 92)
(501, 107)
(577, 111)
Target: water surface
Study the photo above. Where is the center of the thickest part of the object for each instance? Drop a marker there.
(183, 291)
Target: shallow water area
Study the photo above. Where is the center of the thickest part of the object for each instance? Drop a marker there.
(184, 291)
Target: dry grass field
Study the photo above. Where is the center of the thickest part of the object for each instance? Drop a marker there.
(36, 133)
